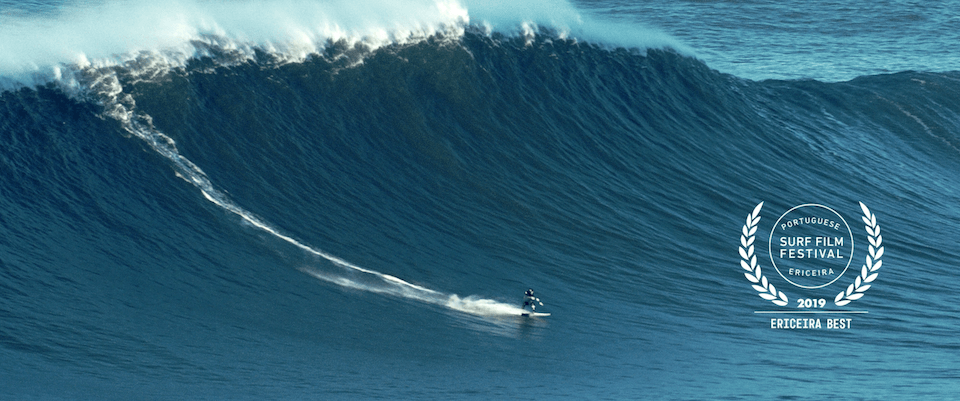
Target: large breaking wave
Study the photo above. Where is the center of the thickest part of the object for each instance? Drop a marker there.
(510, 148)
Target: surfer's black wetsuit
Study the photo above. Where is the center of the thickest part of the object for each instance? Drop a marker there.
(532, 301)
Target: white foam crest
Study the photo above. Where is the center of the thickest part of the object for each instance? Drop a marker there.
(33, 48)
(526, 18)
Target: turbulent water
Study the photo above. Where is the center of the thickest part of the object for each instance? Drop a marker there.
(347, 201)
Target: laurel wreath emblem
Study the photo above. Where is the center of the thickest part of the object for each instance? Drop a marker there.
(749, 262)
(766, 290)
(868, 272)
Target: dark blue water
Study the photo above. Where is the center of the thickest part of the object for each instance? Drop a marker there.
(249, 214)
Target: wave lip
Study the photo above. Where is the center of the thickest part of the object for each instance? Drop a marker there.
(34, 49)
(527, 18)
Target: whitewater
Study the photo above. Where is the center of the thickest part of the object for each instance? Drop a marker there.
(36, 47)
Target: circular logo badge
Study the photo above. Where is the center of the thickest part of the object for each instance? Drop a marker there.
(811, 246)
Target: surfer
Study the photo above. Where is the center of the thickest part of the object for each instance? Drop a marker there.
(529, 299)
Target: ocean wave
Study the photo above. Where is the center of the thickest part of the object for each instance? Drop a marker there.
(43, 46)
(235, 218)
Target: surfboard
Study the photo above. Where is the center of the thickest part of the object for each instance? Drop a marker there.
(534, 314)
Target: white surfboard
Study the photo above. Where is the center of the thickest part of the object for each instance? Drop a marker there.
(534, 314)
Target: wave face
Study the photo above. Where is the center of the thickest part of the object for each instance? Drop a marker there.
(249, 226)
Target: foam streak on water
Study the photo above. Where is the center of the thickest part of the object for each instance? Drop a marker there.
(120, 107)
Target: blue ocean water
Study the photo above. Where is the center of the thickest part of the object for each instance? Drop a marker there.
(823, 40)
(339, 200)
